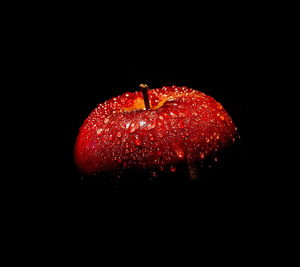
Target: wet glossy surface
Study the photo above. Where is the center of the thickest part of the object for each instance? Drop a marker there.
(182, 124)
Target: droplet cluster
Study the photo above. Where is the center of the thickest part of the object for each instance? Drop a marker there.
(182, 124)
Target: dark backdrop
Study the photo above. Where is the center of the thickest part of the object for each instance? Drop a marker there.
(83, 69)
(70, 63)
(84, 80)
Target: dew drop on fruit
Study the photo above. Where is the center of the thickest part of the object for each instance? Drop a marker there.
(173, 169)
(137, 141)
(158, 152)
(100, 131)
(172, 114)
(182, 114)
(150, 126)
(219, 106)
(134, 126)
(179, 152)
(151, 137)
(160, 134)
(181, 124)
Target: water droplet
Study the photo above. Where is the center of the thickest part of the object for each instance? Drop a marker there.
(174, 115)
(160, 134)
(179, 152)
(134, 126)
(150, 126)
(173, 169)
(151, 137)
(137, 141)
(142, 123)
(181, 124)
(202, 155)
(216, 159)
(114, 105)
(100, 131)
(219, 106)
(119, 134)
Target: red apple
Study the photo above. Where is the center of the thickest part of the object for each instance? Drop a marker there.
(180, 124)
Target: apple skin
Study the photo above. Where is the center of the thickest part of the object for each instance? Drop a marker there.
(182, 125)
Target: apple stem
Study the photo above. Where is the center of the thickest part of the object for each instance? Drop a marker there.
(145, 88)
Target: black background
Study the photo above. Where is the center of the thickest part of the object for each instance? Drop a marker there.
(85, 77)
(65, 61)
(77, 66)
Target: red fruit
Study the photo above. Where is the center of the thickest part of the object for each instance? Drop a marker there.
(182, 124)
